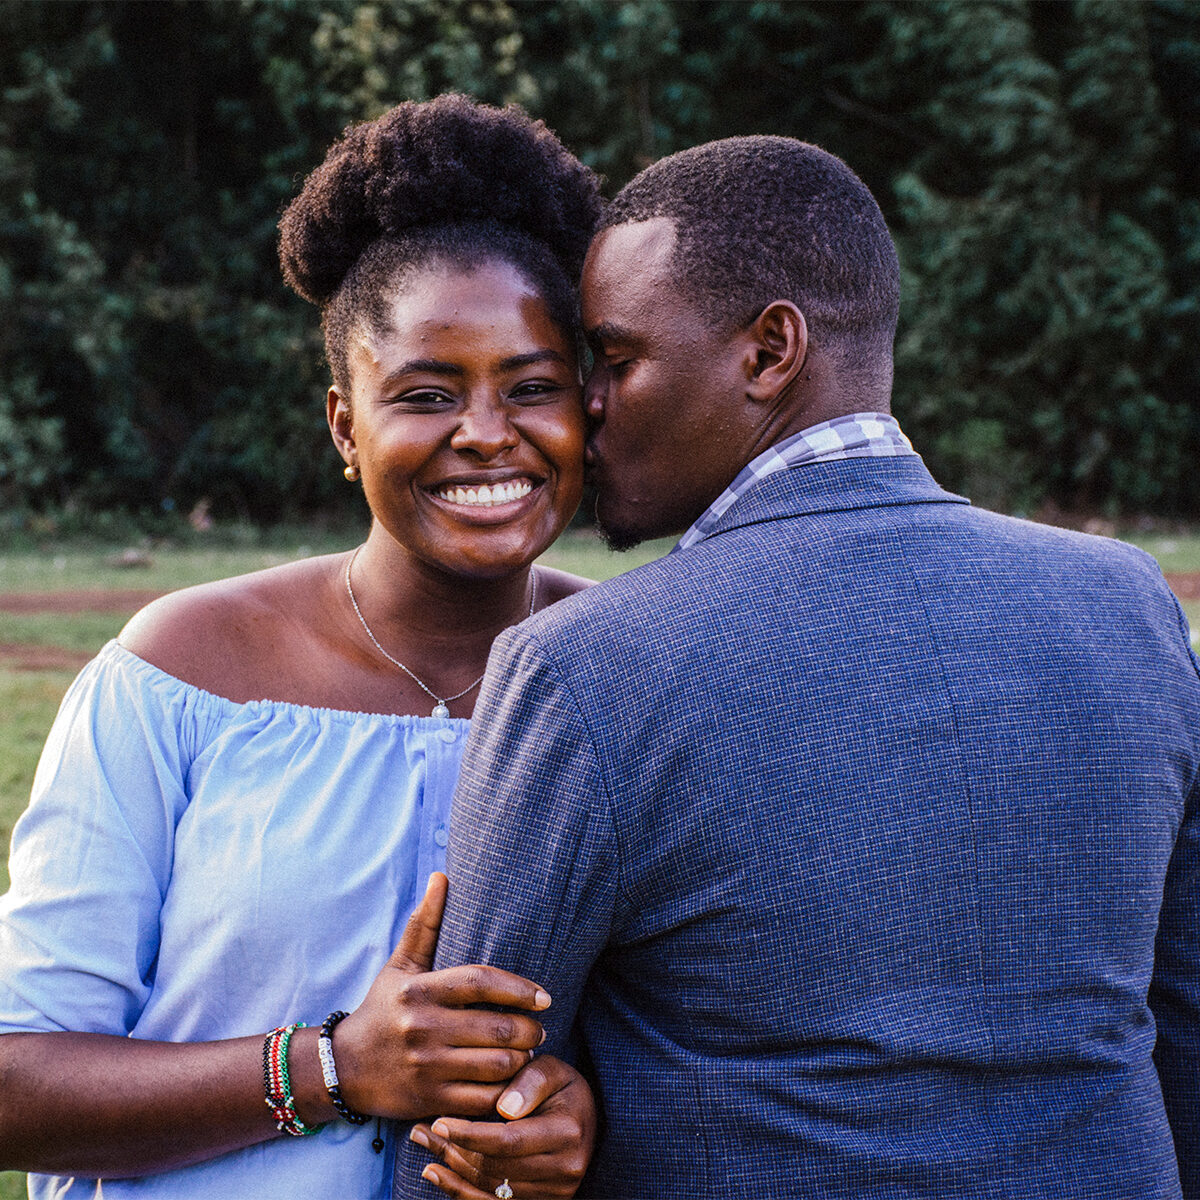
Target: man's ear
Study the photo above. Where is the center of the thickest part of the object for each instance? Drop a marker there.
(341, 425)
(778, 347)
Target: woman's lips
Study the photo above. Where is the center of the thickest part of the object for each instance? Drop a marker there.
(485, 495)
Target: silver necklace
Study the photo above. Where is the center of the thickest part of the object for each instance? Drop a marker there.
(441, 707)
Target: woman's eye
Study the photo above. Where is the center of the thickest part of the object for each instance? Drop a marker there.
(535, 389)
(424, 399)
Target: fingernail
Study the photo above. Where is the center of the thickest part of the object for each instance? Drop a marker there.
(510, 1104)
(418, 1136)
(429, 1175)
(441, 1129)
(541, 1000)
(543, 1037)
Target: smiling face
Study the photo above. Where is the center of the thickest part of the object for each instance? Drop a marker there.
(666, 396)
(465, 420)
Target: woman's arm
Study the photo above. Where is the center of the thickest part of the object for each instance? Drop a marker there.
(95, 1104)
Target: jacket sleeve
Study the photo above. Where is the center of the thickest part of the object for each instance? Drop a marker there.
(533, 864)
(1175, 990)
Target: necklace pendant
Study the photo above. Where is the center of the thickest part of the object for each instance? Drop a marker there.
(440, 710)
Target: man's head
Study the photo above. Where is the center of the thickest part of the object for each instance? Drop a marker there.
(736, 293)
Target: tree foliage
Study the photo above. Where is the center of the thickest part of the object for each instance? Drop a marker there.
(1038, 163)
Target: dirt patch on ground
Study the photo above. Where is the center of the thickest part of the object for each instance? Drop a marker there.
(20, 657)
(116, 601)
(41, 658)
(1186, 587)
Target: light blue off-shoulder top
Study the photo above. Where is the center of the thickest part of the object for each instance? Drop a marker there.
(190, 868)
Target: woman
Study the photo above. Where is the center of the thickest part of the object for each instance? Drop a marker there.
(243, 796)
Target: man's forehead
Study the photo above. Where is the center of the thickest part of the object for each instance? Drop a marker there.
(653, 238)
(627, 257)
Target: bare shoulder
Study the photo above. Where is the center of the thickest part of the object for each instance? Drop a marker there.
(232, 637)
(555, 585)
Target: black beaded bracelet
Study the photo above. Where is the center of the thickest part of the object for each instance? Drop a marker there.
(329, 1071)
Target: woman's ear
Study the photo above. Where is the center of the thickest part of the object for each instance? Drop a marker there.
(779, 346)
(341, 425)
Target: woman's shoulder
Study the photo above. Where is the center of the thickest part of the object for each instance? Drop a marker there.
(232, 637)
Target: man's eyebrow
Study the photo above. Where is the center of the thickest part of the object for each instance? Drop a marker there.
(528, 360)
(608, 332)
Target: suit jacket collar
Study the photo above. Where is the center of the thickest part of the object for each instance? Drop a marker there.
(840, 486)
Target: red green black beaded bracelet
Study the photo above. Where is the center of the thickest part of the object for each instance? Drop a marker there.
(278, 1085)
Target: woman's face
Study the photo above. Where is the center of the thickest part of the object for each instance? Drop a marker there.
(465, 419)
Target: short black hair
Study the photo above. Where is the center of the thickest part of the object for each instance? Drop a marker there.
(445, 180)
(772, 218)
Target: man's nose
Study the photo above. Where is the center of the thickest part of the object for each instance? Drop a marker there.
(595, 392)
(485, 429)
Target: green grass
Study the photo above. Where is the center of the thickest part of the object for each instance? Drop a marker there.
(168, 568)
(12, 1185)
(66, 567)
(1179, 554)
(85, 632)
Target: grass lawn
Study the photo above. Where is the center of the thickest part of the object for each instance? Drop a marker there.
(30, 698)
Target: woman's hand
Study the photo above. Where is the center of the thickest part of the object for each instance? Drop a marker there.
(542, 1152)
(415, 1047)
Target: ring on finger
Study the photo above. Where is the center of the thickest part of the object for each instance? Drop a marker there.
(503, 1192)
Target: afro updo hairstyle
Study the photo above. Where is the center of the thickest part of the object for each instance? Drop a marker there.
(772, 218)
(447, 180)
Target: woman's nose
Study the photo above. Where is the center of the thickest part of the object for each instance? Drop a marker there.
(485, 429)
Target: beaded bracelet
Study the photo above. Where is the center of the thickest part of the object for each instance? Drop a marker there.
(278, 1084)
(329, 1071)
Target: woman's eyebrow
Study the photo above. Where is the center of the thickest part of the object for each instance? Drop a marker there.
(433, 366)
(529, 359)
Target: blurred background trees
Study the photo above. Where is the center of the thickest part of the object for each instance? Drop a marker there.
(1039, 164)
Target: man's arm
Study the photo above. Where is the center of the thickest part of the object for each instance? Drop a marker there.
(1175, 988)
(533, 865)
(1175, 998)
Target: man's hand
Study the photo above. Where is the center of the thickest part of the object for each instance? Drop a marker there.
(543, 1154)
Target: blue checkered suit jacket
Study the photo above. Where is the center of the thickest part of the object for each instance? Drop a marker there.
(858, 847)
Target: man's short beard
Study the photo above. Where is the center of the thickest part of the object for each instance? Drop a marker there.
(615, 539)
(620, 540)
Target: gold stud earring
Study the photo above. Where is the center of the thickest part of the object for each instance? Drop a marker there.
(351, 473)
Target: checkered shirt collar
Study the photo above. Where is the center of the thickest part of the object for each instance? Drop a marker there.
(859, 435)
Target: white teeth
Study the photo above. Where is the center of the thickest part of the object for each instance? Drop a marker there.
(485, 495)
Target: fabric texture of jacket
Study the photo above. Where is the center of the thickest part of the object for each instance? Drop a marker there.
(858, 848)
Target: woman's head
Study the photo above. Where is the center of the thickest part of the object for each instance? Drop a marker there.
(444, 181)
(443, 243)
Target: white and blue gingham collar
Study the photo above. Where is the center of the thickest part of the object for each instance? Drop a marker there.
(858, 435)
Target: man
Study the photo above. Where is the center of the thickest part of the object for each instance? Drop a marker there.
(855, 840)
